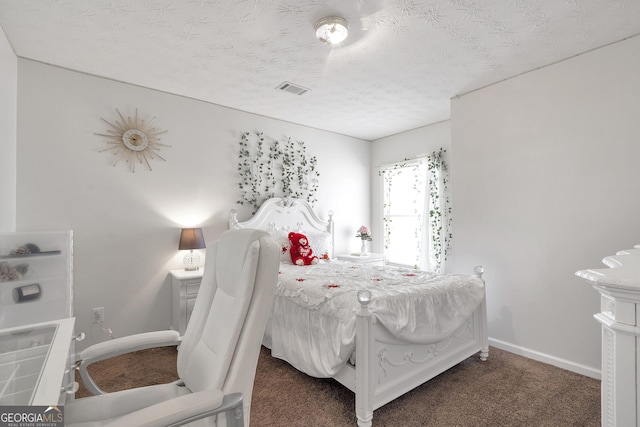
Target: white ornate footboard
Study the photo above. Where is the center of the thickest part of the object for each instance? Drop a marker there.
(385, 366)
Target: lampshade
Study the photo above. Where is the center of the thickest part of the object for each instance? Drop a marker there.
(191, 238)
(332, 29)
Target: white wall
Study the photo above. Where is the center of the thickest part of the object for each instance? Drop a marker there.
(395, 148)
(126, 226)
(8, 95)
(546, 183)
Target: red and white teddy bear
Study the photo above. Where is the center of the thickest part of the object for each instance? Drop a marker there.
(301, 252)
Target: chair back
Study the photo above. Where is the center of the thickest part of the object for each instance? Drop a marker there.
(221, 344)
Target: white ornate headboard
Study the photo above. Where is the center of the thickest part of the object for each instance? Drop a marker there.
(285, 214)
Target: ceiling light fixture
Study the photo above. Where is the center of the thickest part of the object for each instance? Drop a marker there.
(332, 30)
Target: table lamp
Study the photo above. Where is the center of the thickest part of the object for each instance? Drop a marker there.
(190, 239)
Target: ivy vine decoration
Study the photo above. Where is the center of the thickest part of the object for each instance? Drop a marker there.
(387, 174)
(250, 168)
(270, 169)
(440, 206)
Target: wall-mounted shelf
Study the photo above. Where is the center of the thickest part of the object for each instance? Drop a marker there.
(50, 269)
(21, 256)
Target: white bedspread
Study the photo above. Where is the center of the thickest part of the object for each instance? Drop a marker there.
(312, 325)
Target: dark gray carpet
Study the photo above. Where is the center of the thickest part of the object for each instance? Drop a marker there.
(506, 390)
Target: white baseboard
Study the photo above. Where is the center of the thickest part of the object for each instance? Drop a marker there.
(545, 358)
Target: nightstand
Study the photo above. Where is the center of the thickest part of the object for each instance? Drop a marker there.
(184, 290)
(370, 258)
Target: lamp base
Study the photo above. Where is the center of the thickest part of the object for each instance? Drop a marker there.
(191, 261)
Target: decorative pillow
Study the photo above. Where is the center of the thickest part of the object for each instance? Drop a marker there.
(320, 242)
(282, 239)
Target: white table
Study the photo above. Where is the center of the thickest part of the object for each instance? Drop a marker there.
(370, 258)
(36, 365)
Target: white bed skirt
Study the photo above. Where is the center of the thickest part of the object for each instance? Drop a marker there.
(312, 324)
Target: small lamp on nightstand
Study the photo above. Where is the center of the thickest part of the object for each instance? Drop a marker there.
(190, 239)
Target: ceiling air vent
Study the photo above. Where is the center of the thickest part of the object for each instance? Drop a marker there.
(291, 88)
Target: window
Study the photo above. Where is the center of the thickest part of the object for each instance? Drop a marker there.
(416, 212)
(404, 205)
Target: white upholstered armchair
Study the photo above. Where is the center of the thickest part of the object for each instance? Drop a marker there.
(218, 355)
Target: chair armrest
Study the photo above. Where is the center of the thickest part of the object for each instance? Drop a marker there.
(131, 343)
(185, 409)
(119, 346)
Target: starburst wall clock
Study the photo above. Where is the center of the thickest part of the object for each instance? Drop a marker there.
(133, 140)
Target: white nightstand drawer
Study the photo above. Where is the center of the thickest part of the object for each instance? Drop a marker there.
(193, 287)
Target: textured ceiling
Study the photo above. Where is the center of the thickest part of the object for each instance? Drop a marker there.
(397, 70)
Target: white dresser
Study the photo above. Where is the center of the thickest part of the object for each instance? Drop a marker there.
(619, 287)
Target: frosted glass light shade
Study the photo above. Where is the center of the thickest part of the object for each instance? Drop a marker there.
(332, 30)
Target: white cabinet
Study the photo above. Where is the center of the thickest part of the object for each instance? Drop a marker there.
(35, 277)
(619, 287)
(36, 286)
(184, 290)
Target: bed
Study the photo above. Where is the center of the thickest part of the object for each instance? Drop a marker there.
(379, 331)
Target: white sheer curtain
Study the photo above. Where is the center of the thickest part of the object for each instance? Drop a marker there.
(425, 251)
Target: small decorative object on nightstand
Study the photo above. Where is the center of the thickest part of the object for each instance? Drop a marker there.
(365, 235)
(184, 290)
(190, 239)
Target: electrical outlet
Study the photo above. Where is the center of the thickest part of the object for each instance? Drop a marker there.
(98, 314)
